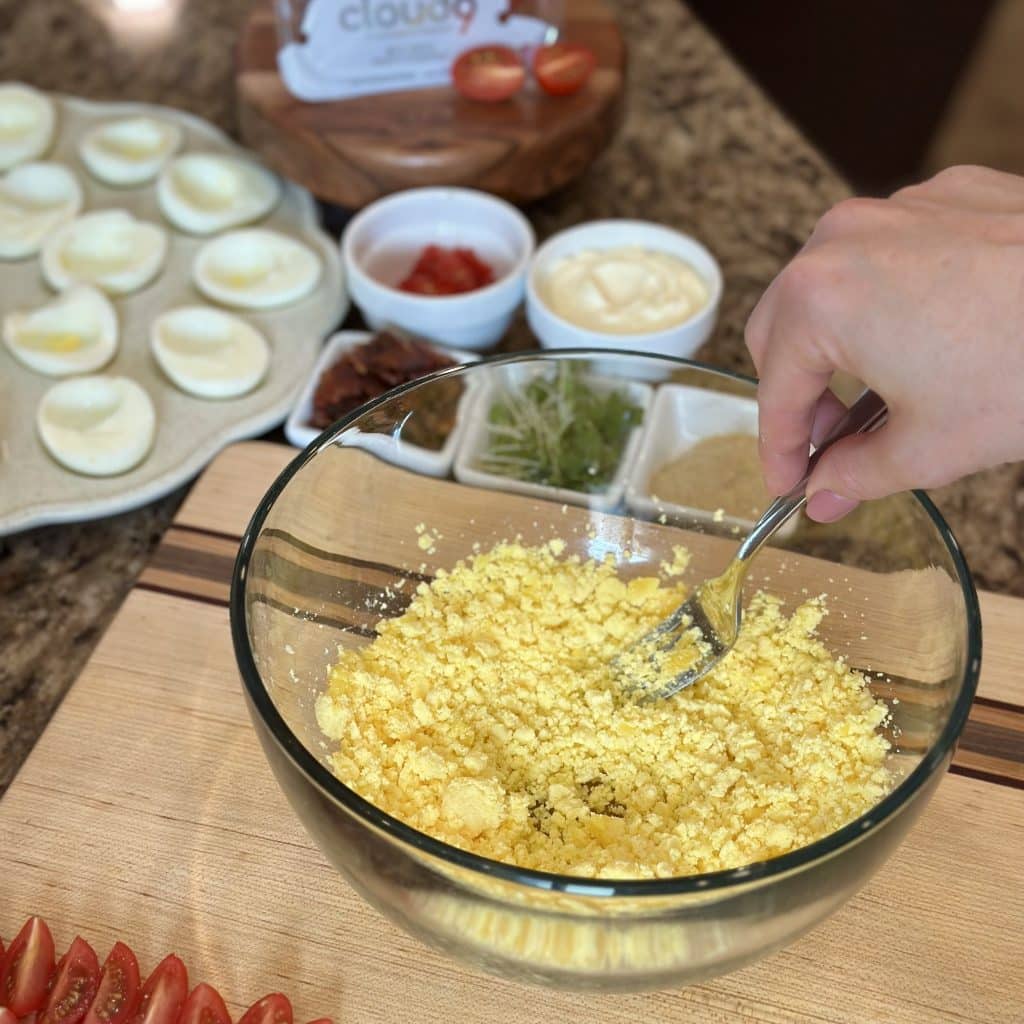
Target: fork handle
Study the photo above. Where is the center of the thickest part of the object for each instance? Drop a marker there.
(867, 412)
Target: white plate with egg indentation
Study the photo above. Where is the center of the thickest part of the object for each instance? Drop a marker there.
(34, 488)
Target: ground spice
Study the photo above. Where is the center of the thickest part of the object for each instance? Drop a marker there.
(719, 472)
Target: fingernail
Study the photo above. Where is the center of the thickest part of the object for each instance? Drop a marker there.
(827, 506)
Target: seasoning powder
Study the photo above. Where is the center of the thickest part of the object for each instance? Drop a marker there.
(723, 471)
(486, 715)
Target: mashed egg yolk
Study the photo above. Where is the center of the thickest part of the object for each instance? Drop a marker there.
(487, 716)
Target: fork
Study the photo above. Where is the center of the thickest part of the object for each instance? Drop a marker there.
(713, 612)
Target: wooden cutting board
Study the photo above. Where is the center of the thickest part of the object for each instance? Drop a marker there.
(146, 812)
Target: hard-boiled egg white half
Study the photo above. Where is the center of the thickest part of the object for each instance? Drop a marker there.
(207, 192)
(97, 425)
(35, 199)
(74, 333)
(208, 352)
(256, 269)
(108, 248)
(130, 150)
(27, 121)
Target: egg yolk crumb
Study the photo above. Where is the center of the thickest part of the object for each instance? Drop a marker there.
(487, 716)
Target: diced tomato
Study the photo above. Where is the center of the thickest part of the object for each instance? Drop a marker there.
(26, 968)
(489, 73)
(164, 993)
(74, 985)
(204, 1006)
(442, 271)
(563, 68)
(272, 1009)
(118, 992)
(7, 1016)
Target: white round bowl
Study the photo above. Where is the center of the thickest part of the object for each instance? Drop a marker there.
(382, 242)
(681, 340)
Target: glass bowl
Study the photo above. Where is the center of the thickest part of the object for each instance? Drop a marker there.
(322, 562)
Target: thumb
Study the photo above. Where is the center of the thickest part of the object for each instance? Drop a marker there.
(857, 469)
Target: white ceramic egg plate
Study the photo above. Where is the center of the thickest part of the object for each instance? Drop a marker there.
(35, 490)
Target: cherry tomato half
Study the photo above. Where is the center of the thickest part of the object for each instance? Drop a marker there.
(26, 967)
(118, 992)
(74, 985)
(204, 1006)
(7, 1016)
(563, 68)
(488, 73)
(164, 993)
(272, 1009)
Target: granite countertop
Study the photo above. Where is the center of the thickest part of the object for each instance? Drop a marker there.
(701, 149)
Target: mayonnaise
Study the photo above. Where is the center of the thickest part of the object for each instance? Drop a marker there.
(626, 290)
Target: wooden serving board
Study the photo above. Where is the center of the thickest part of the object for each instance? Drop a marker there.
(351, 152)
(146, 812)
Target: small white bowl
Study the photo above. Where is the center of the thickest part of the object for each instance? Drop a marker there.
(473, 444)
(300, 433)
(681, 416)
(381, 245)
(681, 340)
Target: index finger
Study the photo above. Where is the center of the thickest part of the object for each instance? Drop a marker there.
(794, 378)
(757, 331)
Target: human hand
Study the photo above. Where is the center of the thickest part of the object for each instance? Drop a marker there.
(921, 297)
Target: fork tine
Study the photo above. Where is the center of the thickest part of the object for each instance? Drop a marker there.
(654, 646)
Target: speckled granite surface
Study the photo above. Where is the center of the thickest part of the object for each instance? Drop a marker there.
(701, 149)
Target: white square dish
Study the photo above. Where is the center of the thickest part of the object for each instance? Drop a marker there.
(474, 442)
(679, 418)
(386, 446)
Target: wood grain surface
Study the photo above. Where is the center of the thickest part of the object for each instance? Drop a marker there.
(353, 151)
(198, 552)
(146, 812)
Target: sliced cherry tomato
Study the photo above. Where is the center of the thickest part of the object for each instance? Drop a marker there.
(272, 1009)
(74, 985)
(489, 73)
(26, 968)
(563, 68)
(118, 993)
(7, 1016)
(204, 1006)
(164, 993)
